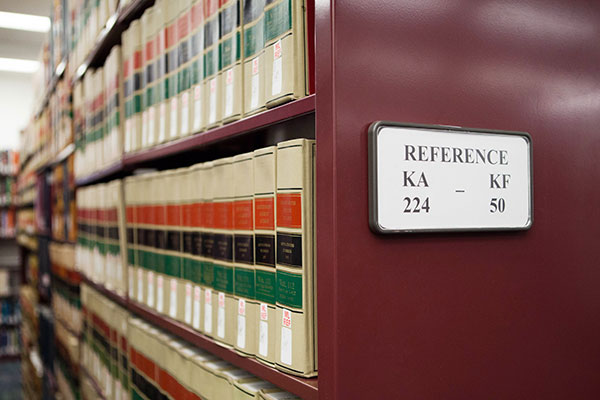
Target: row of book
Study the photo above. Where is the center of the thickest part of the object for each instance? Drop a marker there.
(131, 359)
(101, 243)
(7, 190)
(9, 342)
(98, 116)
(10, 312)
(9, 162)
(225, 246)
(186, 66)
(7, 223)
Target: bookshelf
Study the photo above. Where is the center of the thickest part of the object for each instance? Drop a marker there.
(429, 315)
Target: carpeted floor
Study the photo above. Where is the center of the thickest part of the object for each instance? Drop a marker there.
(10, 380)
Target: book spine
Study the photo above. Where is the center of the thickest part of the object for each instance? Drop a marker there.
(285, 51)
(148, 75)
(295, 257)
(184, 27)
(138, 88)
(173, 264)
(171, 10)
(208, 248)
(265, 187)
(244, 282)
(127, 89)
(130, 224)
(231, 69)
(254, 56)
(190, 265)
(224, 319)
(212, 95)
(160, 20)
(197, 67)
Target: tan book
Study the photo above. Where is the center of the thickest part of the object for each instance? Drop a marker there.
(231, 74)
(243, 244)
(209, 307)
(133, 124)
(224, 320)
(184, 43)
(197, 67)
(100, 117)
(285, 51)
(171, 9)
(201, 383)
(149, 30)
(88, 93)
(212, 95)
(296, 334)
(128, 85)
(233, 376)
(175, 245)
(276, 394)
(248, 388)
(161, 20)
(190, 263)
(265, 188)
(113, 145)
(131, 235)
(254, 56)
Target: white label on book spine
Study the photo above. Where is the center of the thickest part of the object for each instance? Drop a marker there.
(185, 112)
(108, 383)
(187, 314)
(241, 331)
(118, 394)
(208, 310)
(286, 345)
(197, 296)
(212, 115)
(277, 82)
(151, 125)
(173, 130)
(140, 289)
(197, 107)
(159, 294)
(263, 338)
(150, 294)
(221, 315)
(173, 298)
(162, 123)
(228, 92)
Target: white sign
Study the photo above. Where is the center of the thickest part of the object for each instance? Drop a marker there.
(448, 179)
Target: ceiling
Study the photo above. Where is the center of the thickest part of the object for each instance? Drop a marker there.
(22, 44)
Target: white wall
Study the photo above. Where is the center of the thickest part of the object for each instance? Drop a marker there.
(16, 99)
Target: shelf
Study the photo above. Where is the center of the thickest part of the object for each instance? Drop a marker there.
(120, 300)
(60, 157)
(103, 174)
(304, 387)
(10, 357)
(56, 76)
(256, 122)
(111, 35)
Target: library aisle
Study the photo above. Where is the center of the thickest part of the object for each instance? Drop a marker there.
(299, 199)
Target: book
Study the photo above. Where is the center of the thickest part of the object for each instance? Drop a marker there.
(173, 184)
(248, 388)
(113, 79)
(212, 96)
(132, 75)
(184, 26)
(191, 268)
(285, 51)
(265, 188)
(149, 55)
(243, 225)
(296, 334)
(231, 67)
(131, 232)
(197, 67)
(224, 320)
(254, 56)
(161, 69)
(206, 178)
(171, 10)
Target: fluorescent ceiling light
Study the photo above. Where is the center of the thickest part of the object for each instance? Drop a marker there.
(17, 65)
(24, 22)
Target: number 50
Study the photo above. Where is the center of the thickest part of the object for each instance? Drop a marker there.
(497, 205)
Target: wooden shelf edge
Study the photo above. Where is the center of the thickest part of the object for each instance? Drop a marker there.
(10, 357)
(266, 118)
(307, 388)
(120, 300)
(100, 175)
